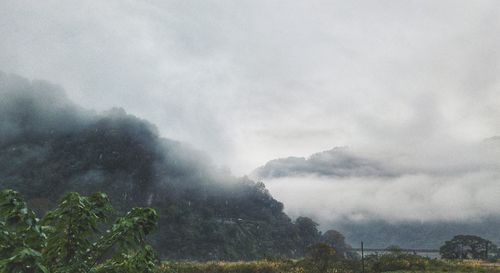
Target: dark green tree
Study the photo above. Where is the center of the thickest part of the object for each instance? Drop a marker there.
(467, 247)
(307, 231)
(336, 240)
(322, 258)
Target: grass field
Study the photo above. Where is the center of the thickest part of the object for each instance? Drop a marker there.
(289, 266)
(231, 267)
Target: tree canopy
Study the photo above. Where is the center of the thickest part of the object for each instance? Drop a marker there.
(468, 247)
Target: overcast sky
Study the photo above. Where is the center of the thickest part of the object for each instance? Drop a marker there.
(249, 81)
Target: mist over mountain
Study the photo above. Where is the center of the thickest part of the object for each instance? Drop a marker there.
(410, 199)
(338, 162)
(49, 145)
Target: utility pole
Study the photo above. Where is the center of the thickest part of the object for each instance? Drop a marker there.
(486, 251)
(362, 257)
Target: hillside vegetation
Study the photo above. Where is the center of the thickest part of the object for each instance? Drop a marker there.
(49, 146)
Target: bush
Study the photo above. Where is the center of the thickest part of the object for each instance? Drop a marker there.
(320, 258)
(396, 261)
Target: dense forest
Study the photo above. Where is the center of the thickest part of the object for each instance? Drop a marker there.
(49, 146)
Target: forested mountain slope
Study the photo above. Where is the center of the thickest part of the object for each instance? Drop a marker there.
(48, 146)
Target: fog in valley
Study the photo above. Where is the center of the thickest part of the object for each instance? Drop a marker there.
(350, 112)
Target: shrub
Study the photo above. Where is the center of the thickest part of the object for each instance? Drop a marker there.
(396, 261)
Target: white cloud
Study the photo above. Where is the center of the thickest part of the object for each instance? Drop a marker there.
(459, 184)
(249, 81)
(407, 198)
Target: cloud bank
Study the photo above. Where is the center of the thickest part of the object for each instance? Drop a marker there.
(342, 186)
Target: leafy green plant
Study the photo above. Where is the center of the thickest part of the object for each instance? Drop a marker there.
(73, 237)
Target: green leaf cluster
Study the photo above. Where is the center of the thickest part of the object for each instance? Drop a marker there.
(75, 237)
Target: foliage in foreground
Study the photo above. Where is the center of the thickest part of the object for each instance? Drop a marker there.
(73, 237)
